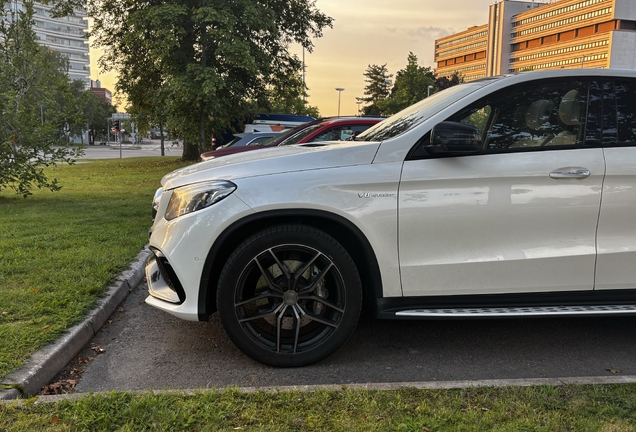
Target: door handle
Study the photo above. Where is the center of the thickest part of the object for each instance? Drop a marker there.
(570, 173)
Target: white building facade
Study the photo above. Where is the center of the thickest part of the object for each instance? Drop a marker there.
(66, 35)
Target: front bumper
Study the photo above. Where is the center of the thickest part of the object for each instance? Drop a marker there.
(180, 249)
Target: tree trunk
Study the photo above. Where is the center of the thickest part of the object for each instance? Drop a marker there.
(190, 151)
(163, 152)
(202, 129)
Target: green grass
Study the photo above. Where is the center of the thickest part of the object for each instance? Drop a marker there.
(59, 251)
(609, 408)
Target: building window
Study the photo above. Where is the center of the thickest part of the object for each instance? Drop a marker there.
(560, 51)
(557, 12)
(563, 22)
(463, 39)
(462, 48)
(551, 65)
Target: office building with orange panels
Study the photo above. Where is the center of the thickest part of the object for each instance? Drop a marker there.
(525, 35)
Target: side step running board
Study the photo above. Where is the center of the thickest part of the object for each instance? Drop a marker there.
(536, 311)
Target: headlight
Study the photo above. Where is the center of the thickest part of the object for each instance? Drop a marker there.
(190, 198)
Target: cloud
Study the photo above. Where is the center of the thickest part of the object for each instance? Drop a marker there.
(429, 33)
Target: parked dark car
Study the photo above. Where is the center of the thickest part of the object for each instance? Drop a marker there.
(325, 129)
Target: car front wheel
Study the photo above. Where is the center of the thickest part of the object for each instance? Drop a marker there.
(289, 296)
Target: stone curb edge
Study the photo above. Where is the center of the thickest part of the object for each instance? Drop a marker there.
(47, 362)
(426, 385)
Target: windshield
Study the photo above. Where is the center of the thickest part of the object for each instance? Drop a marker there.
(412, 116)
(300, 135)
(276, 139)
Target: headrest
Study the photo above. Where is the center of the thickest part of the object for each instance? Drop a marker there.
(570, 108)
(538, 113)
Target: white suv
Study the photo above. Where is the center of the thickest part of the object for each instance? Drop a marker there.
(508, 196)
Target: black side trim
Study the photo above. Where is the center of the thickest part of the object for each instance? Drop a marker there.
(387, 307)
(373, 290)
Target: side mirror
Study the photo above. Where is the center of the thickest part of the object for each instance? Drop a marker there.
(453, 137)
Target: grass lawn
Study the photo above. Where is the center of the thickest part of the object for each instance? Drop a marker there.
(572, 408)
(60, 250)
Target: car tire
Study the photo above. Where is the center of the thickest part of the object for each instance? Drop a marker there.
(289, 296)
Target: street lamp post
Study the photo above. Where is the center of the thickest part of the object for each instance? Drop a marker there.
(428, 93)
(339, 90)
(358, 102)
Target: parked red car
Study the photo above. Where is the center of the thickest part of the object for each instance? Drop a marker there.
(325, 129)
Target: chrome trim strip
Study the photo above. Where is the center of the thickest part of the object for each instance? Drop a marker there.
(520, 311)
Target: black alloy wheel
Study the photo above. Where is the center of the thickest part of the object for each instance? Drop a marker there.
(289, 296)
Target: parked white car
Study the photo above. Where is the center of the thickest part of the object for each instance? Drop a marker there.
(507, 196)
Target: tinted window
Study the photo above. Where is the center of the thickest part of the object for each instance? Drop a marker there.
(300, 135)
(626, 111)
(261, 140)
(531, 115)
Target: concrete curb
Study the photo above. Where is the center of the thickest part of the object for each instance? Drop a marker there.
(425, 385)
(44, 364)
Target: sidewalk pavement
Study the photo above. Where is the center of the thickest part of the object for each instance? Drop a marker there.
(44, 364)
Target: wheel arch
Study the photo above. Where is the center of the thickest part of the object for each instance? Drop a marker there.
(343, 230)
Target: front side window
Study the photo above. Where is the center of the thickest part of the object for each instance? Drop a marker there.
(532, 115)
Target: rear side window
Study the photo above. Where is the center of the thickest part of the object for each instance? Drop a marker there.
(625, 91)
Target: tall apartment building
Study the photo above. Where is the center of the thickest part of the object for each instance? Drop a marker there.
(524, 35)
(65, 35)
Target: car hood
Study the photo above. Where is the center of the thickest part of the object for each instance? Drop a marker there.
(230, 151)
(274, 160)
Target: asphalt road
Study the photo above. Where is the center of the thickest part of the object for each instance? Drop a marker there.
(145, 348)
(148, 148)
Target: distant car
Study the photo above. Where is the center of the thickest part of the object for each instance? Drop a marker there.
(276, 122)
(243, 139)
(325, 129)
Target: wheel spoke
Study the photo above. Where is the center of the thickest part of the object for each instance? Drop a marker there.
(279, 324)
(296, 337)
(317, 279)
(258, 297)
(323, 301)
(304, 268)
(271, 312)
(317, 318)
(268, 277)
(282, 267)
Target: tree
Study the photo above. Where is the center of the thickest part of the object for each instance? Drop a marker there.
(442, 83)
(32, 80)
(378, 88)
(411, 86)
(96, 114)
(210, 58)
(71, 104)
(287, 95)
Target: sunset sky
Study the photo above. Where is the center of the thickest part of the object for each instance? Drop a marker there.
(371, 32)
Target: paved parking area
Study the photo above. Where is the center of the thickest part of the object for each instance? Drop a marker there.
(145, 348)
